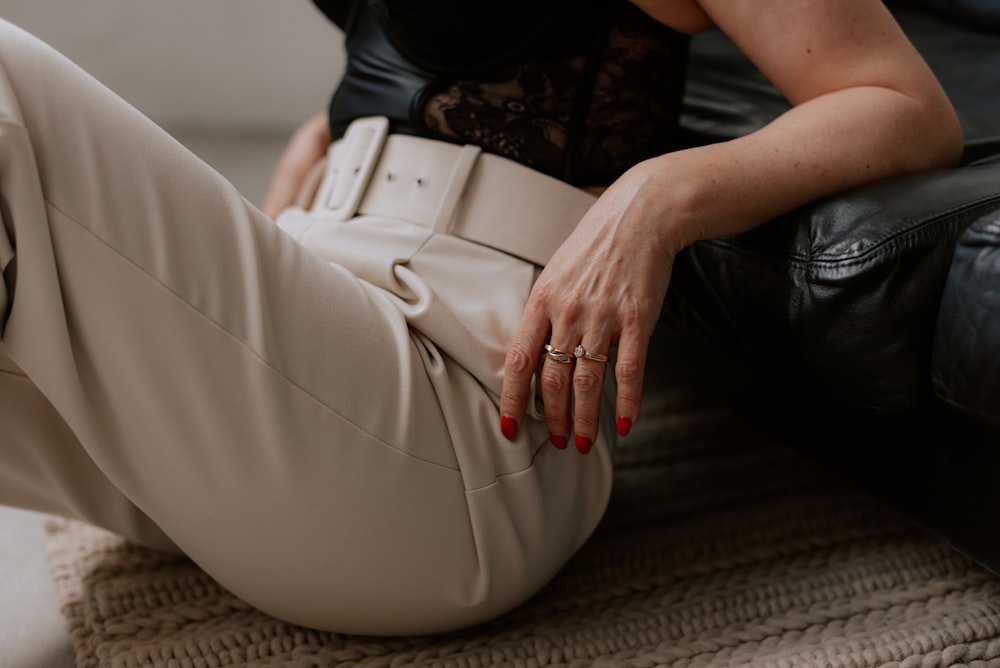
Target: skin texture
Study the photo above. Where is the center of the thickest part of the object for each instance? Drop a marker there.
(866, 107)
(306, 147)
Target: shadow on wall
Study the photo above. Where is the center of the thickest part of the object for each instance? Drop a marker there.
(236, 65)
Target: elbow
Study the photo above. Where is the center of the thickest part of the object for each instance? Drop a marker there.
(940, 140)
(949, 136)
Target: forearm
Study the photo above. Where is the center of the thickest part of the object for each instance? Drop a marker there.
(866, 107)
(826, 145)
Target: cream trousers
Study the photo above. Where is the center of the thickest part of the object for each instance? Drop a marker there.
(176, 368)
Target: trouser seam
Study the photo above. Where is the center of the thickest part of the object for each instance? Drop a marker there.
(238, 340)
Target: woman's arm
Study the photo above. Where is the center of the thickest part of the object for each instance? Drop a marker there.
(866, 107)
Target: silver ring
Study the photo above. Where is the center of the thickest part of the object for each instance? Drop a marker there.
(579, 352)
(557, 355)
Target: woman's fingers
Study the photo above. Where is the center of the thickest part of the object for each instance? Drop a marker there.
(519, 368)
(555, 382)
(629, 367)
(572, 365)
(571, 383)
(567, 342)
(572, 338)
(571, 380)
(588, 383)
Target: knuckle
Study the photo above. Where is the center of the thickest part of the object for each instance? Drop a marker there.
(628, 371)
(541, 293)
(585, 423)
(518, 359)
(512, 398)
(629, 402)
(564, 311)
(553, 381)
(556, 423)
(571, 309)
(586, 381)
(631, 318)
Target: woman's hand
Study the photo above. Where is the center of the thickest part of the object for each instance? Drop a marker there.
(866, 107)
(604, 287)
(307, 147)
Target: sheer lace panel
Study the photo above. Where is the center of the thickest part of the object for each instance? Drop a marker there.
(529, 112)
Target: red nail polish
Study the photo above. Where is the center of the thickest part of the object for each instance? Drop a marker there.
(508, 426)
(558, 441)
(624, 426)
(583, 444)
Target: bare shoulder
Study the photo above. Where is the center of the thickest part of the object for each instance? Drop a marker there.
(685, 16)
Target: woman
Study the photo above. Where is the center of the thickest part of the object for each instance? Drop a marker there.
(336, 415)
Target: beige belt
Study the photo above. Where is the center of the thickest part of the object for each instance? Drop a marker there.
(452, 189)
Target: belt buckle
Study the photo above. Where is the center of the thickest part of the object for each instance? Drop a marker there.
(351, 162)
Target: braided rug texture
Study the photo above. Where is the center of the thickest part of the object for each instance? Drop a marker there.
(720, 548)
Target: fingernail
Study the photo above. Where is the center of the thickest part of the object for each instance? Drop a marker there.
(508, 426)
(624, 426)
(583, 444)
(558, 441)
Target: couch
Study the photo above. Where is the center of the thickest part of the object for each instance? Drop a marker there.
(864, 329)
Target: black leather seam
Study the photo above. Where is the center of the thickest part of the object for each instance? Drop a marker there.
(886, 247)
(965, 212)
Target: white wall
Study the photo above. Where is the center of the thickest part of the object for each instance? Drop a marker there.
(237, 65)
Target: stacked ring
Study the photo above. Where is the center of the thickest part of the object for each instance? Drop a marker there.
(579, 352)
(558, 355)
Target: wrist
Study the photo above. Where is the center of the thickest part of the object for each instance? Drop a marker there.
(667, 199)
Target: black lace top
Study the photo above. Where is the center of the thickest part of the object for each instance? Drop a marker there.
(591, 88)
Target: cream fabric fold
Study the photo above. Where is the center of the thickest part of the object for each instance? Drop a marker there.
(321, 437)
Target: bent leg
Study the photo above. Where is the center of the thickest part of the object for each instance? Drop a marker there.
(271, 414)
(43, 467)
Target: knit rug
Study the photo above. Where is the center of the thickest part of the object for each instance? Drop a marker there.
(719, 548)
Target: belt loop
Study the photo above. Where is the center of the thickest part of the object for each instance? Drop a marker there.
(462, 167)
(350, 165)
